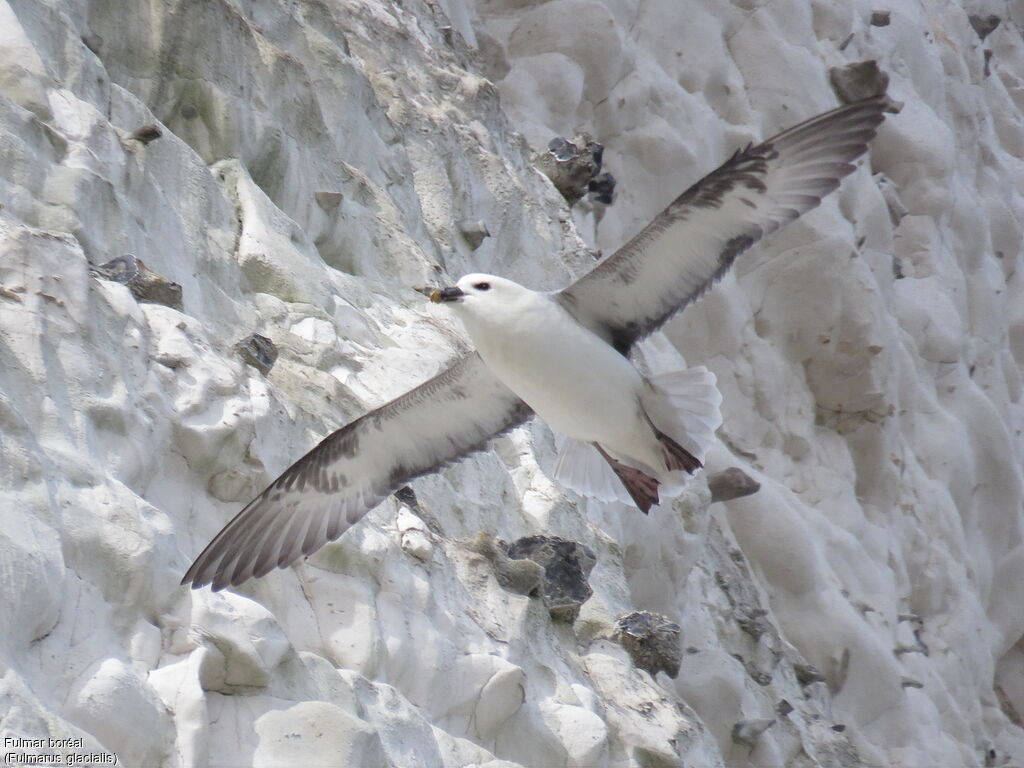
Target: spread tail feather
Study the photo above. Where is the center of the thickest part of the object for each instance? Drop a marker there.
(684, 407)
(589, 471)
(582, 469)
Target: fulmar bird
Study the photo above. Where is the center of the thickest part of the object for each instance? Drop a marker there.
(563, 355)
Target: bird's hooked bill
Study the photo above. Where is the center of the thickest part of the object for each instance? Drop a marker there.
(446, 294)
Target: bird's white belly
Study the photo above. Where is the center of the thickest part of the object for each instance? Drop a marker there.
(571, 378)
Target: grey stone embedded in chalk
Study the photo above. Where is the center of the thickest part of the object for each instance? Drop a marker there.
(328, 201)
(807, 674)
(602, 188)
(731, 483)
(567, 565)
(747, 732)
(652, 641)
(752, 620)
(258, 351)
(562, 150)
(147, 133)
(474, 231)
(984, 25)
(524, 577)
(861, 80)
(571, 165)
(407, 496)
(144, 284)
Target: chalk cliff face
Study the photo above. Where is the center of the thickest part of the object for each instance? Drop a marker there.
(316, 163)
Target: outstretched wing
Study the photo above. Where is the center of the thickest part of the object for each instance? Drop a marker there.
(694, 241)
(330, 488)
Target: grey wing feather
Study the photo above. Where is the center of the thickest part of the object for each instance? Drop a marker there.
(329, 489)
(693, 242)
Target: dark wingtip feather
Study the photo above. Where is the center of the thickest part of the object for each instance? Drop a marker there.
(266, 534)
(817, 153)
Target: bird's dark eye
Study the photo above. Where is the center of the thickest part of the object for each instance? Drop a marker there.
(482, 286)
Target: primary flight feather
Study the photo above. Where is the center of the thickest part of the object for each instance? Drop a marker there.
(562, 355)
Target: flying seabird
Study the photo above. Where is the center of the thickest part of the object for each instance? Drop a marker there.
(563, 355)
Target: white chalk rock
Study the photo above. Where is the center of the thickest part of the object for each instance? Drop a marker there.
(244, 642)
(415, 538)
(116, 705)
(315, 733)
(500, 698)
(583, 733)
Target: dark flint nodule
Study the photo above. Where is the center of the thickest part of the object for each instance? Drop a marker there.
(731, 483)
(144, 284)
(861, 80)
(566, 564)
(147, 133)
(574, 166)
(652, 641)
(562, 150)
(602, 187)
(258, 351)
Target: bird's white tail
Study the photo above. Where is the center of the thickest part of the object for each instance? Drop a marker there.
(582, 469)
(684, 404)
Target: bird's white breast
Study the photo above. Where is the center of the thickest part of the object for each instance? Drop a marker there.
(570, 377)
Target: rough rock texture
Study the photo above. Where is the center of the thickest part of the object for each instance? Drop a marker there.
(567, 566)
(572, 166)
(731, 483)
(258, 351)
(143, 283)
(315, 161)
(652, 641)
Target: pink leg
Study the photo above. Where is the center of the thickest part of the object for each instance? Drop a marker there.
(642, 488)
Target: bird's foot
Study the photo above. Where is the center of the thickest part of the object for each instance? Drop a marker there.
(642, 488)
(672, 453)
(675, 456)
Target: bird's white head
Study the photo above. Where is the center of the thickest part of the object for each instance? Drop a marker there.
(485, 300)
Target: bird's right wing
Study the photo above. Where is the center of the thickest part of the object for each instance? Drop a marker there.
(692, 243)
(330, 488)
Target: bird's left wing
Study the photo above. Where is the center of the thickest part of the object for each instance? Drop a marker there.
(693, 242)
(330, 488)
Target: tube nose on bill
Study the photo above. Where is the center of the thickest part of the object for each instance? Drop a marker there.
(453, 293)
